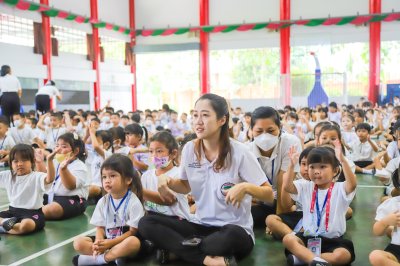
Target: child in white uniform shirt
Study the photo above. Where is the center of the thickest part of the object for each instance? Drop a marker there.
(69, 192)
(22, 133)
(116, 216)
(325, 203)
(6, 142)
(347, 128)
(164, 152)
(363, 150)
(223, 176)
(101, 143)
(54, 130)
(25, 188)
(387, 216)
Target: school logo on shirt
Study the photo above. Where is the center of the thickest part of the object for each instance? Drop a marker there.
(225, 187)
(194, 165)
(35, 216)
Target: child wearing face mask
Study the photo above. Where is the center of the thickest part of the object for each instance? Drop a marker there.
(106, 121)
(163, 150)
(52, 129)
(69, 192)
(21, 133)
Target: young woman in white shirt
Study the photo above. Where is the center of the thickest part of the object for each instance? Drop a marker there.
(223, 176)
(11, 93)
(271, 147)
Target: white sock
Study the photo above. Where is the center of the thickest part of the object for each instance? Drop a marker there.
(4, 220)
(319, 259)
(2, 230)
(297, 261)
(91, 260)
(365, 171)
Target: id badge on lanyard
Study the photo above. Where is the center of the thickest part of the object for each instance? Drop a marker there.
(314, 245)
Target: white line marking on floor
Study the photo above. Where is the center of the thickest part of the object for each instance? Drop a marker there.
(370, 186)
(47, 250)
(4, 206)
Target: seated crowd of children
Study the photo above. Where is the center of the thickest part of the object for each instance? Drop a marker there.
(203, 180)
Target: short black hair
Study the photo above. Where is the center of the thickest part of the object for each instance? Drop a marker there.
(365, 126)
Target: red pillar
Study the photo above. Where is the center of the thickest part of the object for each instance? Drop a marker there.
(285, 51)
(204, 50)
(47, 41)
(133, 43)
(96, 62)
(46, 57)
(374, 52)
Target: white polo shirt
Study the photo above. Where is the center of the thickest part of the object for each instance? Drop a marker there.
(95, 167)
(24, 135)
(349, 137)
(51, 136)
(209, 188)
(339, 203)
(361, 151)
(7, 143)
(279, 157)
(9, 83)
(79, 170)
(387, 207)
(129, 214)
(393, 150)
(49, 90)
(179, 208)
(25, 192)
(387, 172)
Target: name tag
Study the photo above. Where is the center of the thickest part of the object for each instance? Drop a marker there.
(314, 245)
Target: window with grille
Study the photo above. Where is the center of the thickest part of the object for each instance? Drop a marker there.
(70, 40)
(16, 30)
(113, 48)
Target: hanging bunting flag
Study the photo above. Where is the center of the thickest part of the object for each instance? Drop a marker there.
(271, 26)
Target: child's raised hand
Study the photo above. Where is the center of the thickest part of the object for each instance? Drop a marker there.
(338, 150)
(51, 156)
(67, 161)
(293, 155)
(92, 129)
(39, 155)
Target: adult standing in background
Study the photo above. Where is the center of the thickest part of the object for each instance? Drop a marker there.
(44, 95)
(11, 93)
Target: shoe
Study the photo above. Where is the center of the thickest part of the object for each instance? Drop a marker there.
(162, 256)
(290, 260)
(320, 263)
(8, 225)
(147, 247)
(75, 260)
(120, 261)
(230, 261)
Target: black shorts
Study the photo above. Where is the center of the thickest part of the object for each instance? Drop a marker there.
(291, 219)
(36, 215)
(362, 164)
(42, 103)
(394, 250)
(72, 205)
(260, 212)
(143, 252)
(329, 244)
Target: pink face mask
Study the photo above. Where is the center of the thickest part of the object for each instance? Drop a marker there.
(161, 162)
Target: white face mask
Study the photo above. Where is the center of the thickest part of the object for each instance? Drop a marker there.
(266, 141)
(17, 123)
(46, 121)
(105, 119)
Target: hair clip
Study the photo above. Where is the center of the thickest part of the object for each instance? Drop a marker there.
(76, 137)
